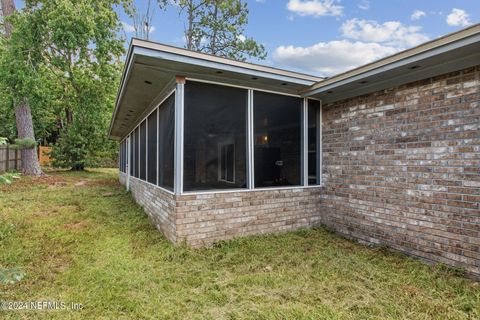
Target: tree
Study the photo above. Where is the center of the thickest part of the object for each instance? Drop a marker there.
(193, 10)
(217, 27)
(142, 20)
(77, 51)
(16, 84)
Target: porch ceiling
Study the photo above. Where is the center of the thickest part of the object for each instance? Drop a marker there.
(151, 69)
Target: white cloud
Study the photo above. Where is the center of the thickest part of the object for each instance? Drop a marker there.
(391, 33)
(316, 8)
(364, 5)
(417, 14)
(366, 41)
(128, 27)
(131, 29)
(458, 17)
(328, 58)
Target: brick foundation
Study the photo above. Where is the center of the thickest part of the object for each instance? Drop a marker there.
(159, 205)
(202, 219)
(205, 218)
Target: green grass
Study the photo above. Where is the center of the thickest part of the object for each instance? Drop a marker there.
(79, 237)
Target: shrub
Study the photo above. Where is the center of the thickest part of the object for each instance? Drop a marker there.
(26, 143)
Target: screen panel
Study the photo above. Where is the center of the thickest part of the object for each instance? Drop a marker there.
(143, 150)
(166, 136)
(122, 156)
(215, 144)
(133, 154)
(313, 152)
(277, 121)
(152, 148)
(137, 152)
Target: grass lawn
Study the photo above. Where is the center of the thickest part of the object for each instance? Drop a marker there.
(79, 237)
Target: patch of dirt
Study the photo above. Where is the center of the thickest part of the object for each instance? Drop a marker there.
(81, 183)
(76, 225)
(26, 182)
(106, 183)
(57, 184)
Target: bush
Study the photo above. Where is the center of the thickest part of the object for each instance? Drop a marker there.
(26, 143)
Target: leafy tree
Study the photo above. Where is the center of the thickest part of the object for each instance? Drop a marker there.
(217, 27)
(77, 51)
(18, 66)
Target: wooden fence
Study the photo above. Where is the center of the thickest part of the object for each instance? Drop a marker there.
(14, 157)
(44, 156)
(10, 159)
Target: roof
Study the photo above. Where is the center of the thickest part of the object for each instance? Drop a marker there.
(225, 61)
(448, 49)
(151, 67)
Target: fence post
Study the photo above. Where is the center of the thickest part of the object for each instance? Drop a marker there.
(16, 159)
(7, 164)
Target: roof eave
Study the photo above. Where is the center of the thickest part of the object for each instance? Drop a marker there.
(431, 48)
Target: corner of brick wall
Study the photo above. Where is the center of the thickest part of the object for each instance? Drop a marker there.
(159, 205)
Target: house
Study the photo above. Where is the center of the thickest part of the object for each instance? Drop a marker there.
(387, 153)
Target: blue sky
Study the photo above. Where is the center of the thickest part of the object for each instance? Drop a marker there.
(325, 37)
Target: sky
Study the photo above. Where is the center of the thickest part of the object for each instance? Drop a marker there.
(325, 37)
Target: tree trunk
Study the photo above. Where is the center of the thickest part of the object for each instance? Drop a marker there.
(213, 41)
(23, 117)
(69, 116)
(23, 114)
(8, 8)
(189, 32)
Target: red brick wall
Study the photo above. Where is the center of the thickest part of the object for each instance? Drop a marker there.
(402, 168)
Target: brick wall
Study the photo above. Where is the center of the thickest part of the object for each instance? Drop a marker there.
(402, 168)
(158, 204)
(205, 218)
(202, 219)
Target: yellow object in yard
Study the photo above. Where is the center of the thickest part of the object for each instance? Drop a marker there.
(44, 156)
